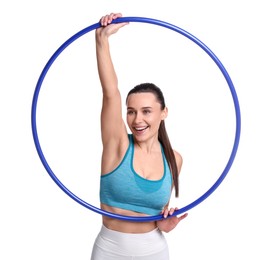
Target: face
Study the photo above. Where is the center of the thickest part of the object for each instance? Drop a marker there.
(144, 115)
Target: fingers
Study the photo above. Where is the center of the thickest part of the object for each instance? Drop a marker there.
(107, 19)
(183, 216)
(166, 212)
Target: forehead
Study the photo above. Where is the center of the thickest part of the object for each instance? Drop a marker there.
(144, 99)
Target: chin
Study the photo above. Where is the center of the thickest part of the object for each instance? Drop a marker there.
(140, 136)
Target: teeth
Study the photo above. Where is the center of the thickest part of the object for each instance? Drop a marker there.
(140, 128)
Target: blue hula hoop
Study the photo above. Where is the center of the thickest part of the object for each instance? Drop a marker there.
(196, 41)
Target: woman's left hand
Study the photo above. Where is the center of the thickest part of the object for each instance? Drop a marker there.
(168, 224)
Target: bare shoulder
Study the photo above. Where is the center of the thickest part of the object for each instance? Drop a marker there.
(179, 160)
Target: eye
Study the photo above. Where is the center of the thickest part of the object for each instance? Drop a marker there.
(146, 111)
(130, 112)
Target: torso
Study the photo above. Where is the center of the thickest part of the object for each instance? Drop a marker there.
(149, 167)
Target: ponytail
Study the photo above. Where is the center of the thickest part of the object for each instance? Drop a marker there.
(169, 154)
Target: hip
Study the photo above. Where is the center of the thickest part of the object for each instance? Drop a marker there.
(149, 245)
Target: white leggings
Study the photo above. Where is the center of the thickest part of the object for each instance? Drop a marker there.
(111, 244)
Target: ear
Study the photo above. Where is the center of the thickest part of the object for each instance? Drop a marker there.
(164, 113)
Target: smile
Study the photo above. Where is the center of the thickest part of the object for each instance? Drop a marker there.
(140, 129)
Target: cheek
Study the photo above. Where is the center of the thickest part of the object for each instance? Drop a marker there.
(154, 119)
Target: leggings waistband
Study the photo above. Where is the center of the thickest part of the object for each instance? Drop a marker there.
(152, 245)
(153, 234)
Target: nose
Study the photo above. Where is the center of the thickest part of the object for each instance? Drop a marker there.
(138, 118)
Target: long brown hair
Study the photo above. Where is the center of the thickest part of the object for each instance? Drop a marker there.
(162, 133)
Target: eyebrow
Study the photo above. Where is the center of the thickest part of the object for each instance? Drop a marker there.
(141, 108)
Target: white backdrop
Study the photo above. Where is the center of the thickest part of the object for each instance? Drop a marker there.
(239, 219)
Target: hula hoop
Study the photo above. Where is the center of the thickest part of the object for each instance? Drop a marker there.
(196, 41)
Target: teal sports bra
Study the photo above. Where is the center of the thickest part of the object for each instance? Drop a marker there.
(124, 188)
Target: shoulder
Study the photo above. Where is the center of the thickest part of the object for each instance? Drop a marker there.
(179, 160)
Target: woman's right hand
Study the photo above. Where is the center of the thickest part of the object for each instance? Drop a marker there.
(107, 28)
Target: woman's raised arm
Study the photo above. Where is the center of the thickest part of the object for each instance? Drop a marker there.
(112, 124)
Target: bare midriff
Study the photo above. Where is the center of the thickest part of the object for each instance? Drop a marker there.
(126, 226)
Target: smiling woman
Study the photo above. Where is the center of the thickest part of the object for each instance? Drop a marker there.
(138, 168)
(132, 217)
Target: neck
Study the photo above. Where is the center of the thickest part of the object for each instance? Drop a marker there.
(149, 146)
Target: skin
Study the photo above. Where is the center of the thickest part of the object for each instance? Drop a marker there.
(143, 118)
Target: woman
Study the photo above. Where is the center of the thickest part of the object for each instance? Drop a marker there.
(139, 169)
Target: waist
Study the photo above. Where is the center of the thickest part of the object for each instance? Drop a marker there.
(126, 226)
(114, 234)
